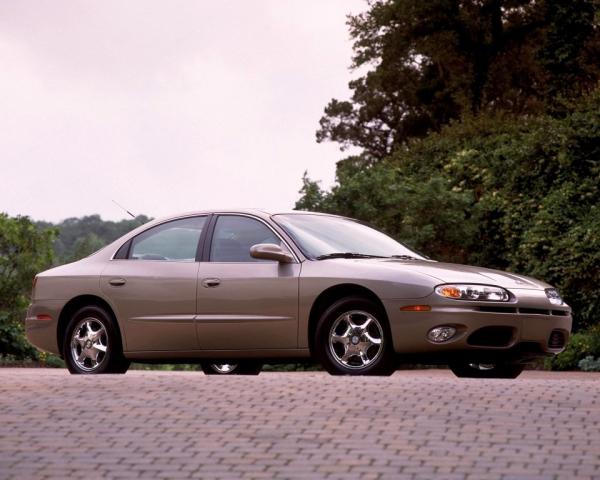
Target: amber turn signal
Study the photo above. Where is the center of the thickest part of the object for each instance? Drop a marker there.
(416, 308)
(449, 291)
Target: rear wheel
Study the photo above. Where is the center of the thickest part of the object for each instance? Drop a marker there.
(353, 338)
(485, 370)
(92, 343)
(242, 368)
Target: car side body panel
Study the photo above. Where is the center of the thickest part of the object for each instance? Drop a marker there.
(43, 332)
(255, 306)
(54, 289)
(264, 309)
(155, 304)
(319, 276)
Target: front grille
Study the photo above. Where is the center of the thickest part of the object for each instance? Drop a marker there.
(534, 311)
(557, 339)
(496, 309)
(492, 337)
(522, 310)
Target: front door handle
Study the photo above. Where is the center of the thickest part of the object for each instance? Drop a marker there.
(117, 282)
(211, 282)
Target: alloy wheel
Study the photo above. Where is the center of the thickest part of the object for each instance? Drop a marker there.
(356, 339)
(224, 368)
(89, 344)
(484, 367)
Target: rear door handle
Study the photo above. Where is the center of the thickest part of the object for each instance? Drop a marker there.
(117, 282)
(211, 282)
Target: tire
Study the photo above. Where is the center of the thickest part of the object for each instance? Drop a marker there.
(243, 368)
(92, 343)
(353, 337)
(481, 370)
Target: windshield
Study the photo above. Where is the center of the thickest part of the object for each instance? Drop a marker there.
(320, 236)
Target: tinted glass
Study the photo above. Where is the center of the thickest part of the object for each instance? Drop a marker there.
(171, 241)
(123, 251)
(320, 235)
(233, 237)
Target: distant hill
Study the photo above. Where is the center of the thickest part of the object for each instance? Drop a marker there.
(79, 237)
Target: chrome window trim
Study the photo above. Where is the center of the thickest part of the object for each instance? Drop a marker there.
(254, 217)
(168, 220)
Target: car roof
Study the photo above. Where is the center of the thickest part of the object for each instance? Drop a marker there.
(259, 212)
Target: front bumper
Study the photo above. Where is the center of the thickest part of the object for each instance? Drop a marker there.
(522, 327)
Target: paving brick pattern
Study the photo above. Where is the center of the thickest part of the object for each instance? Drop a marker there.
(413, 425)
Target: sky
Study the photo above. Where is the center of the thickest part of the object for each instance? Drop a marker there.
(166, 106)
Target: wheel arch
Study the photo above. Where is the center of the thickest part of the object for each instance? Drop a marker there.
(75, 304)
(332, 294)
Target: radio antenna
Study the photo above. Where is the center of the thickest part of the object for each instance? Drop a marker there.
(123, 208)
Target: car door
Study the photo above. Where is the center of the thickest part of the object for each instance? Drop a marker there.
(152, 283)
(245, 303)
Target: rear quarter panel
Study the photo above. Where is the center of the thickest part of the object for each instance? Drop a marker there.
(53, 290)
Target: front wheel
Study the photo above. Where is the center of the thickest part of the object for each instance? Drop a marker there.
(485, 370)
(92, 343)
(244, 368)
(354, 338)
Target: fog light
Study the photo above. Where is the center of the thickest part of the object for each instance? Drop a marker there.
(441, 334)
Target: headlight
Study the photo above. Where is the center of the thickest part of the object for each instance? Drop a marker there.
(554, 296)
(473, 292)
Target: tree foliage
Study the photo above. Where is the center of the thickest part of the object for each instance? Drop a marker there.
(24, 251)
(496, 190)
(478, 125)
(79, 237)
(431, 62)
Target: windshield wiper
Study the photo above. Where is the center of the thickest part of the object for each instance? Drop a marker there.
(404, 257)
(347, 255)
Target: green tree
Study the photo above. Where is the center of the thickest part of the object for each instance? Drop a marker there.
(85, 246)
(311, 194)
(494, 190)
(431, 62)
(24, 251)
(79, 237)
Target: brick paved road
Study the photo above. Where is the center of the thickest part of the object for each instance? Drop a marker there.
(416, 424)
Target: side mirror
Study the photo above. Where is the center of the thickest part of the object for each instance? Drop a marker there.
(270, 251)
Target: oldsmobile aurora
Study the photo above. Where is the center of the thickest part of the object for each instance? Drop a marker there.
(235, 289)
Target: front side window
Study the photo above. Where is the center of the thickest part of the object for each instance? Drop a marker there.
(175, 241)
(234, 235)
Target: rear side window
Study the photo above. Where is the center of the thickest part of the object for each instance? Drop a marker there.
(123, 251)
(234, 235)
(175, 241)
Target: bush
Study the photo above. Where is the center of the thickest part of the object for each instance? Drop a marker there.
(590, 364)
(167, 367)
(12, 338)
(506, 192)
(24, 250)
(49, 360)
(581, 345)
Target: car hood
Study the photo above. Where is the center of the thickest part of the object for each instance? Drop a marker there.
(455, 273)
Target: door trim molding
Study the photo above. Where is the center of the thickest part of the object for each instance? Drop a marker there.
(208, 318)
